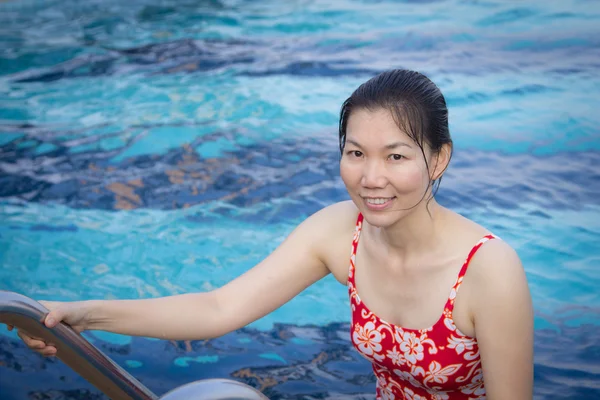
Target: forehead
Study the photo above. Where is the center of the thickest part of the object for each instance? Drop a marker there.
(374, 126)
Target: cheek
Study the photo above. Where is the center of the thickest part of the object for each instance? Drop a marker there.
(411, 178)
(347, 173)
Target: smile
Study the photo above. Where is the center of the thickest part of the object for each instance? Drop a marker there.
(378, 200)
(378, 203)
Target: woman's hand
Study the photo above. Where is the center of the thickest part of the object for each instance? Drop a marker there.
(76, 314)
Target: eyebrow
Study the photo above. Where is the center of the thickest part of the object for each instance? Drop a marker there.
(390, 146)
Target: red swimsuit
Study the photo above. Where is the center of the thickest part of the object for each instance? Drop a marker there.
(439, 362)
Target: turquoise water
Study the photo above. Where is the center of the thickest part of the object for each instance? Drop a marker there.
(151, 150)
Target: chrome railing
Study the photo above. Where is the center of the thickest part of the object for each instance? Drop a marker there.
(97, 368)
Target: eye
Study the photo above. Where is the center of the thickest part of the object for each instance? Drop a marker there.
(355, 153)
(396, 157)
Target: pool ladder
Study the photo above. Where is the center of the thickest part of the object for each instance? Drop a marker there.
(98, 369)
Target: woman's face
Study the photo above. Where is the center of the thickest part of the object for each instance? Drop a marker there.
(382, 167)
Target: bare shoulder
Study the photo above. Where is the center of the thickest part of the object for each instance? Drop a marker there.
(495, 262)
(497, 280)
(495, 257)
(496, 274)
(322, 233)
(335, 218)
(338, 215)
(333, 228)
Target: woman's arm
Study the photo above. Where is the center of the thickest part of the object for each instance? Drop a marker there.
(503, 317)
(294, 265)
(180, 317)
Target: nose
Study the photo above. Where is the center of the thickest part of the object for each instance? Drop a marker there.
(374, 175)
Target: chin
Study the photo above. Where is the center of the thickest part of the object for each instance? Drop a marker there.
(382, 219)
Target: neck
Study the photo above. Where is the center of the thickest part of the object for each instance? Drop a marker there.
(416, 232)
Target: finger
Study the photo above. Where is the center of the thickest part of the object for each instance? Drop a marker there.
(36, 345)
(49, 351)
(30, 339)
(53, 318)
(54, 315)
(10, 327)
(31, 342)
(24, 337)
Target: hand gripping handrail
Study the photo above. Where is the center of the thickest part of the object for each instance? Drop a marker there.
(98, 369)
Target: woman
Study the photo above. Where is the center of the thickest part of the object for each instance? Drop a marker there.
(440, 306)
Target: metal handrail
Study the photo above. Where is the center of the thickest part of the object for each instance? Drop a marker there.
(72, 348)
(97, 368)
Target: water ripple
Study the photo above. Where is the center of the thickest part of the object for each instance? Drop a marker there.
(303, 362)
(244, 175)
(278, 37)
(215, 120)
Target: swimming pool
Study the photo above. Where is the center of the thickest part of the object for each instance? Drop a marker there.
(148, 150)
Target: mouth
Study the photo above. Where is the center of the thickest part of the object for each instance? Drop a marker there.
(378, 203)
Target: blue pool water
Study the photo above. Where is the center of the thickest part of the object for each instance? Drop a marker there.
(154, 148)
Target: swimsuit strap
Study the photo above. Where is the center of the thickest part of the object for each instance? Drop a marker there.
(357, 231)
(450, 303)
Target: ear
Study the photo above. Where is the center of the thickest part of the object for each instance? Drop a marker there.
(441, 161)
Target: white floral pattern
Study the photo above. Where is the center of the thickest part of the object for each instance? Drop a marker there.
(438, 363)
(368, 340)
(411, 346)
(410, 395)
(460, 344)
(396, 357)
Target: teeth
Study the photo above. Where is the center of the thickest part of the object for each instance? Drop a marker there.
(380, 200)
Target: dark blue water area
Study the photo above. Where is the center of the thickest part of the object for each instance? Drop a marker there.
(304, 172)
(252, 57)
(287, 362)
(165, 58)
(53, 228)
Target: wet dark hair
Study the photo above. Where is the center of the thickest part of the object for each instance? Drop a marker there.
(416, 104)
